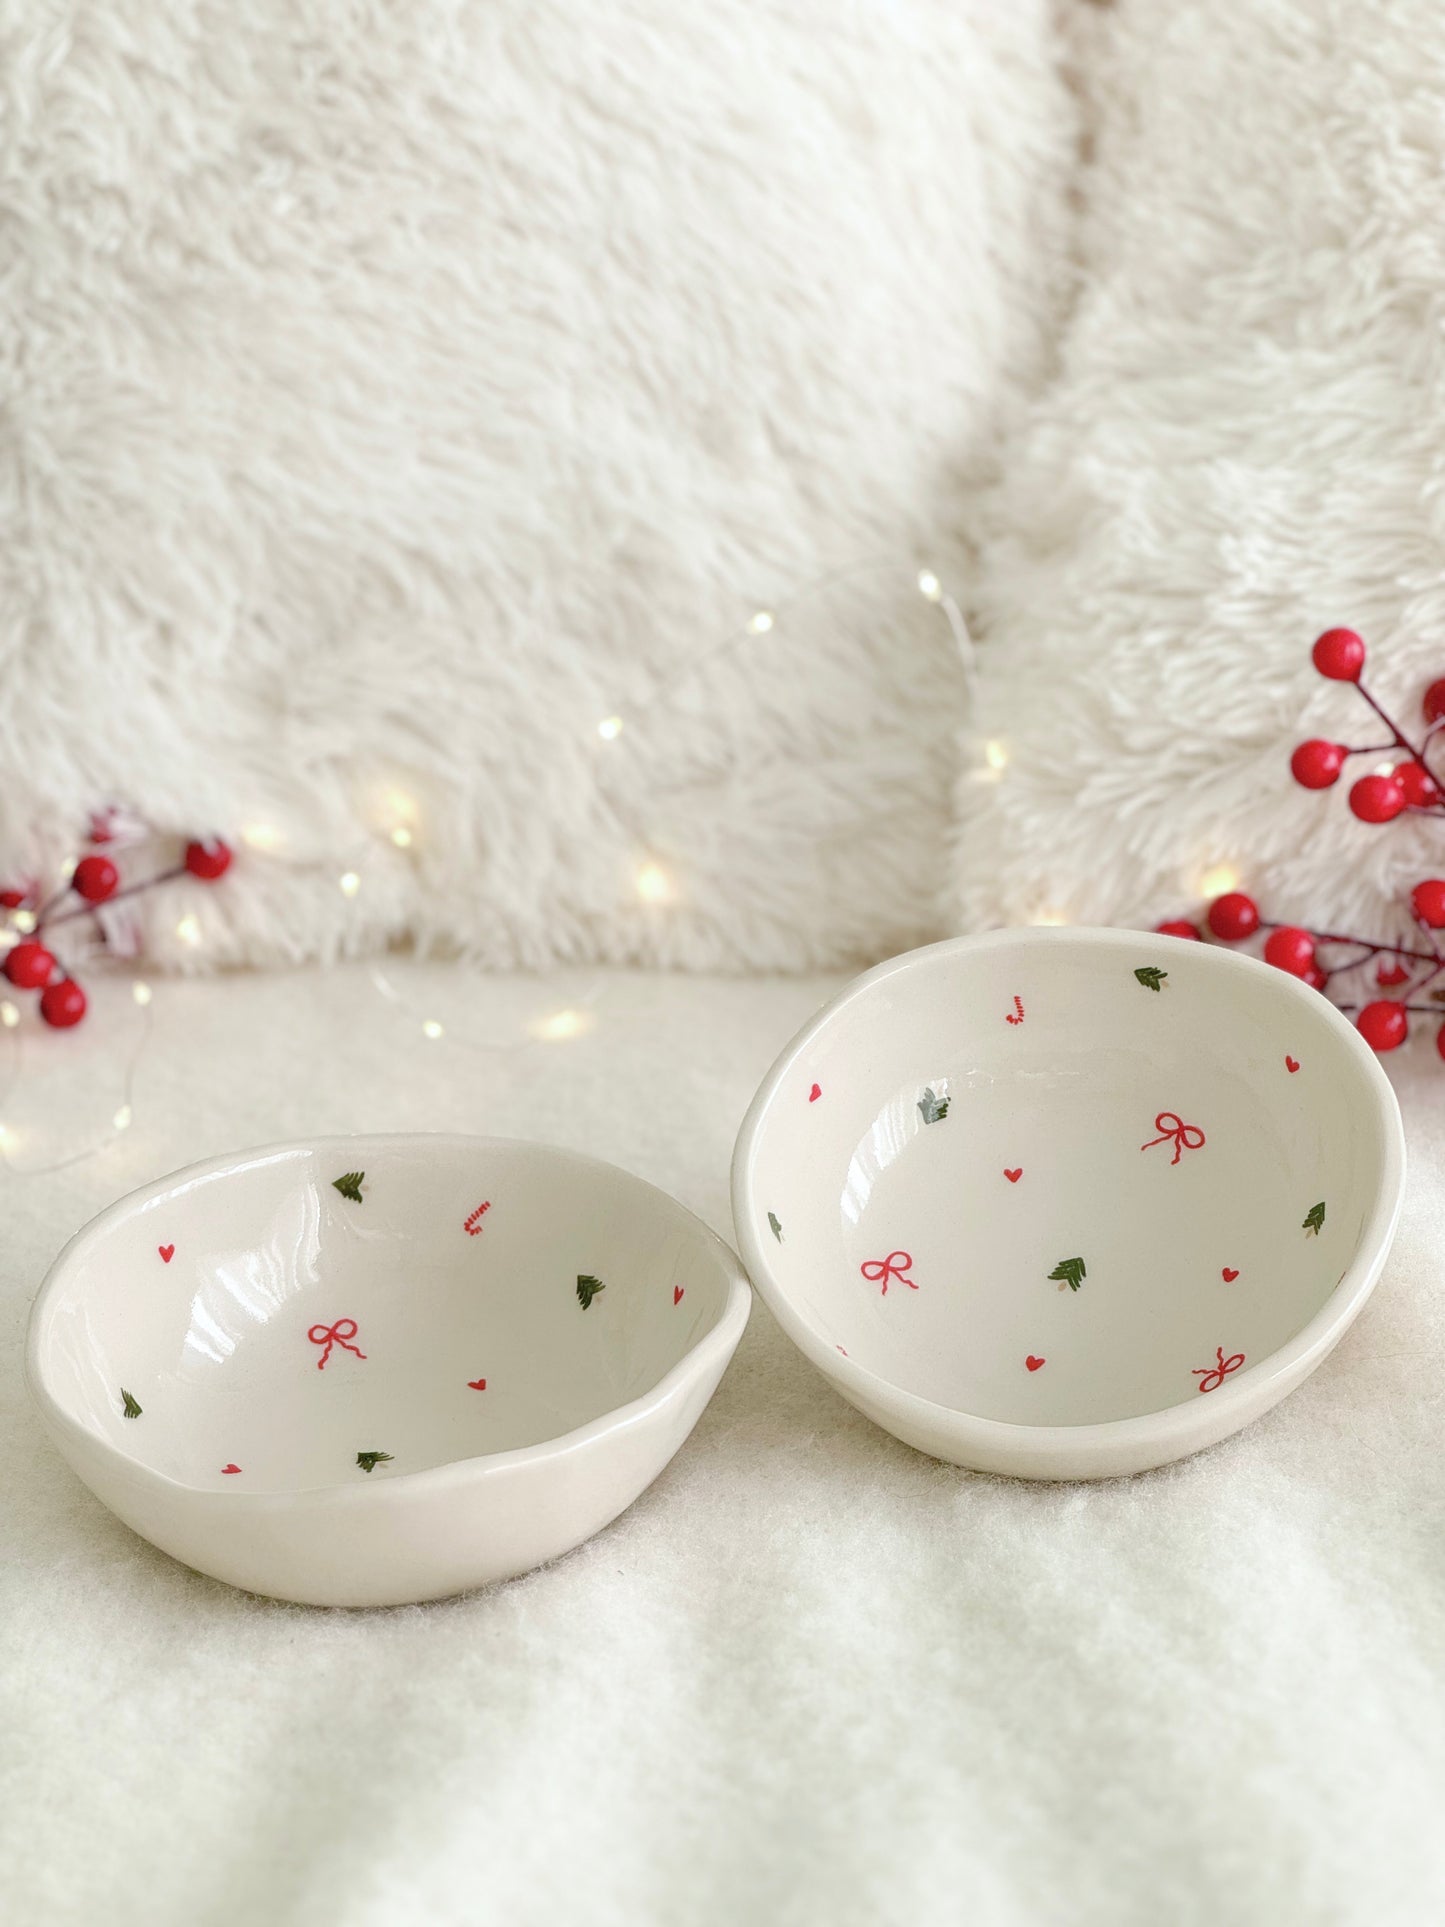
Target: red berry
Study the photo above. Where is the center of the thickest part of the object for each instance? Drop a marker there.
(208, 860)
(29, 965)
(1427, 900)
(1434, 703)
(1316, 764)
(1233, 916)
(12, 899)
(1390, 974)
(62, 1004)
(1290, 949)
(1340, 655)
(1314, 977)
(1383, 1025)
(1376, 799)
(95, 878)
(1178, 927)
(1419, 785)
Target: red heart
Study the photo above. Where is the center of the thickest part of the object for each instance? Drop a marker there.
(1291, 1064)
(1034, 1363)
(1228, 1275)
(1014, 1176)
(167, 1253)
(677, 1294)
(230, 1468)
(815, 1093)
(477, 1384)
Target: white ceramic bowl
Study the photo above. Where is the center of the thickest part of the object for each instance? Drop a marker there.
(376, 1370)
(1039, 1210)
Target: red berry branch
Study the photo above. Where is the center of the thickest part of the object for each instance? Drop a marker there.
(1319, 957)
(30, 964)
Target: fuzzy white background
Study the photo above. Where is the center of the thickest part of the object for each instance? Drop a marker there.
(391, 392)
(1245, 444)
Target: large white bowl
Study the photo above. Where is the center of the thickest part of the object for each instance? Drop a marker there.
(364, 1371)
(1066, 1204)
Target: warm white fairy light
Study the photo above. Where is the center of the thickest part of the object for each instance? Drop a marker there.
(122, 1118)
(1049, 919)
(995, 754)
(9, 1015)
(349, 883)
(189, 930)
(929, 585)
(563, 1024)
(401, 837)
(141, 992)
(654, 885)
(24, 921)
(760, 622)
(431, 1028)
(262, 836)
(1219, 880)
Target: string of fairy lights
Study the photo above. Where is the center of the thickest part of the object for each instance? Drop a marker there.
(398, 821)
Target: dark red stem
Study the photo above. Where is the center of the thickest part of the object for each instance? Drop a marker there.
(90, 909)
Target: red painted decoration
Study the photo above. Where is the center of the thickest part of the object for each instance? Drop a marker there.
(896, 1265)
(1013, 1176)
(1383, 1025)
(1034, 1363)
(1213, 1376)
(472, 1225)
(1340, 655)
(167, 1253)
(95, 878)
(29, 965)
(1178, 927)
(476, 1385)
(815, 1093)
(1234, 916)
(1290, 949)
(1427, 900)
(1291, 1064)
(1019, 1008)
(1186, 1137)
(230, 1468)
(208, 860)
(1316, 765)
(1377, 799)
(62, 1004)
(1229, 1274)
(677, 1292)
(341, 1333)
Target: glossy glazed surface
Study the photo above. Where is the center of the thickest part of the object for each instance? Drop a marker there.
(1049, 1181)
(361, 1320)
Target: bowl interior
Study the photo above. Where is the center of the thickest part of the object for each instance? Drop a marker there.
(283, 1317)
(1052, 1180)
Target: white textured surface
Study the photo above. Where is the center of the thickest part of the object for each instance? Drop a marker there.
(811, 1675)
(392, 392)
(1243, 448)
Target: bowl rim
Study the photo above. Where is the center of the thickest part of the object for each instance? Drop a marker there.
(715, 1345)
(1169, 1424)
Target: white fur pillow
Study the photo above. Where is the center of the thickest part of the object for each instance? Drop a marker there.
(1246, 445)
(397, 391)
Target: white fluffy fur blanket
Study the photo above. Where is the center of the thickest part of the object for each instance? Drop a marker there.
(393, 392)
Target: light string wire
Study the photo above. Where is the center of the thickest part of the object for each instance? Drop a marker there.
(653, 883)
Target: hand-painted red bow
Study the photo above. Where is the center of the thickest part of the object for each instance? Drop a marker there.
(338, 1334)
(896, 1265)
(1215, 1376)
(1187, 1137)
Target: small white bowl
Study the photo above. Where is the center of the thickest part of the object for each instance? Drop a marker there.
(368, 1371)
(1069, 1203)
